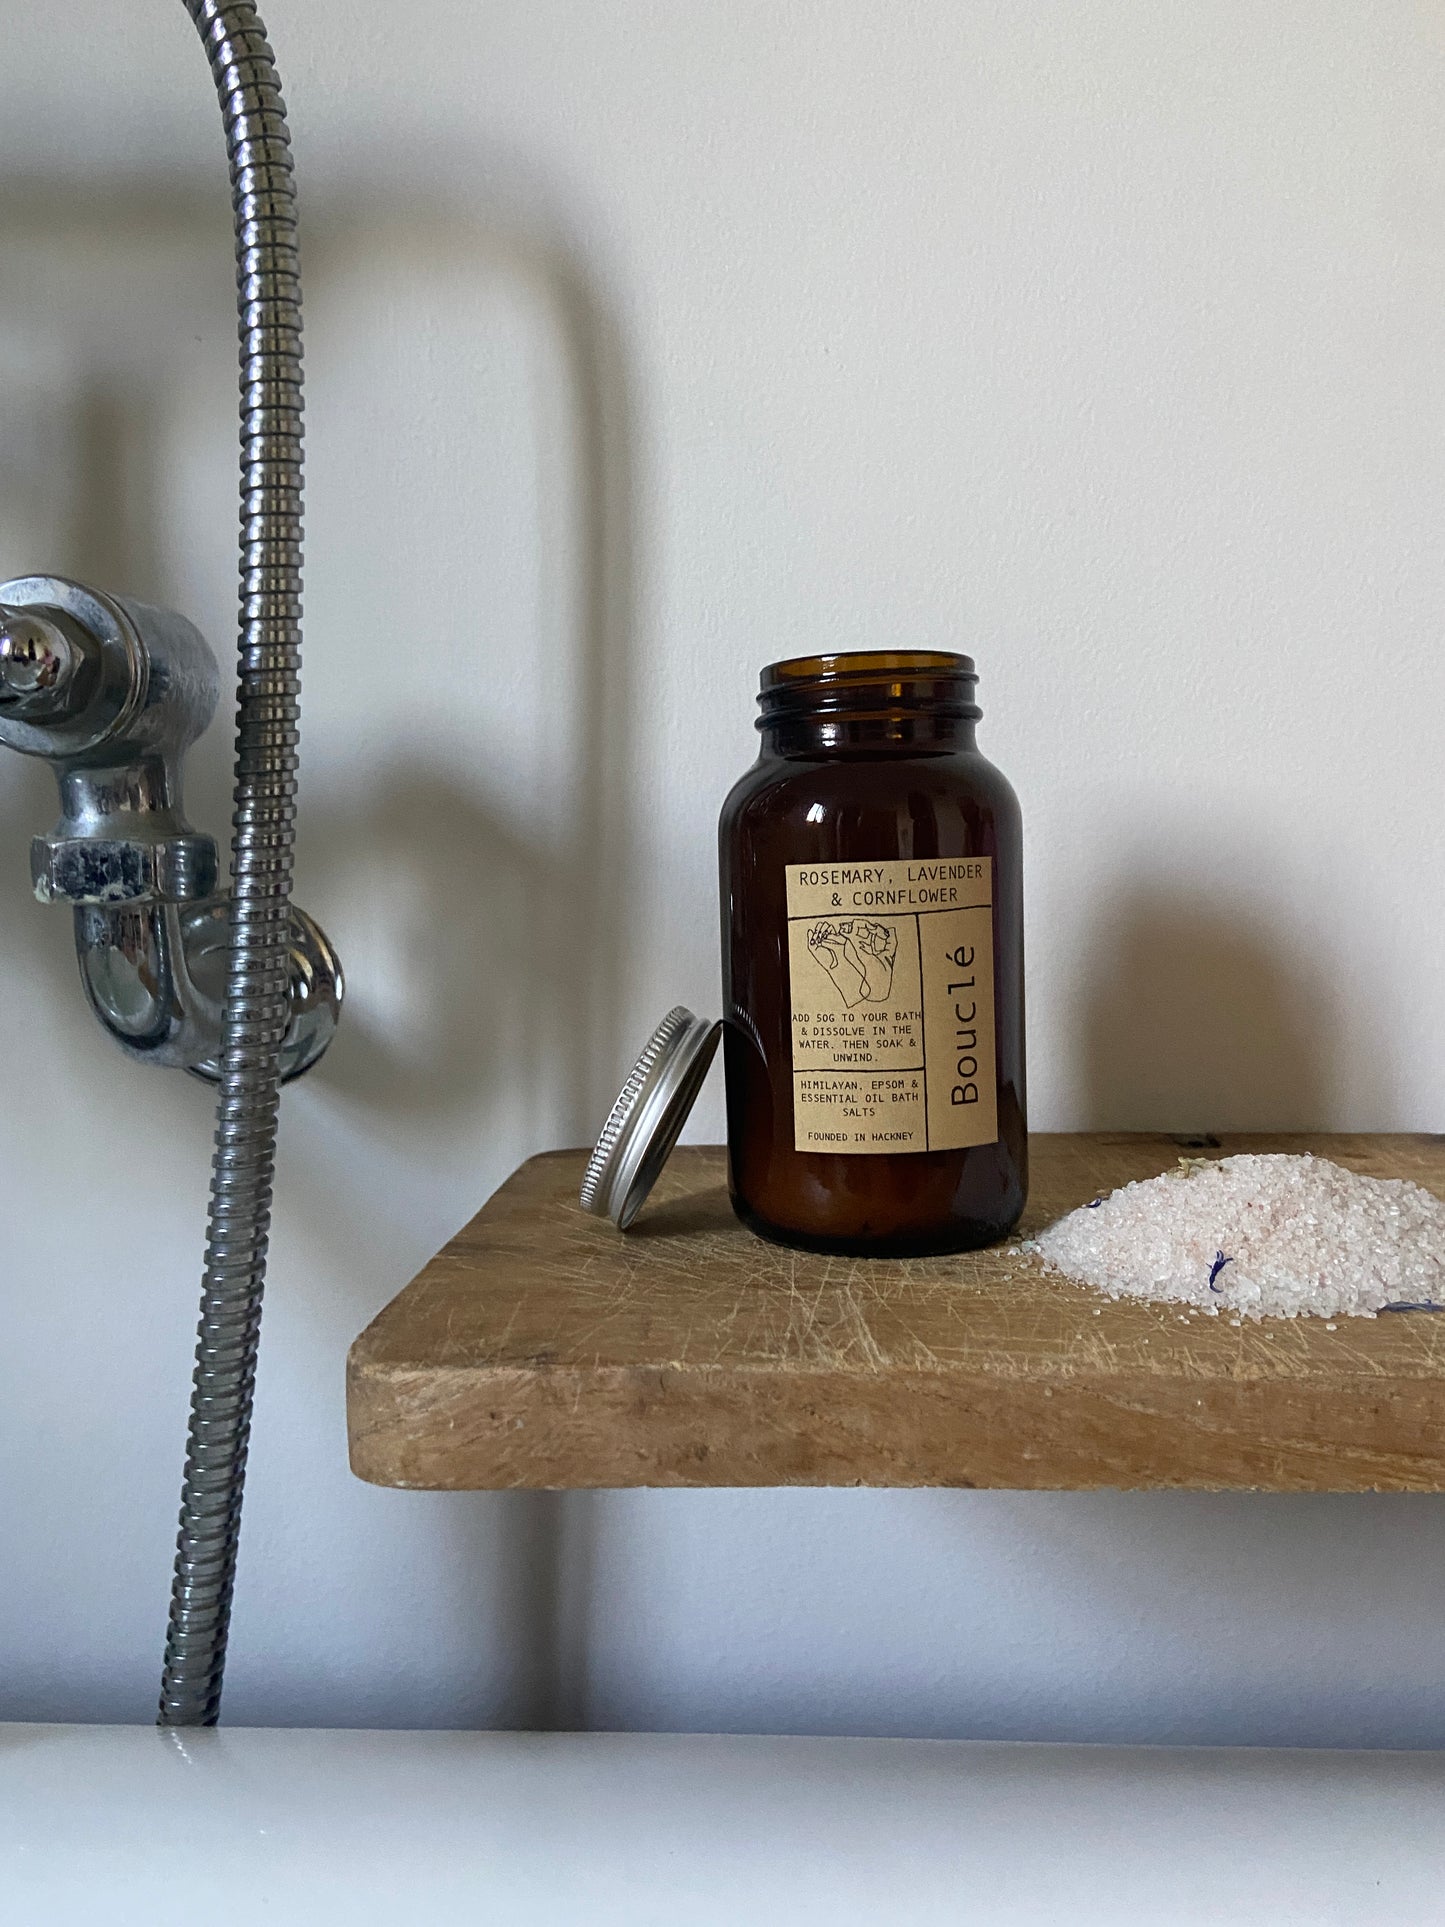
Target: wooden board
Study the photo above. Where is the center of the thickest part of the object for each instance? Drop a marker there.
(543, 1348)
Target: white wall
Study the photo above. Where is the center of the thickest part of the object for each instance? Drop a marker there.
(647, 343)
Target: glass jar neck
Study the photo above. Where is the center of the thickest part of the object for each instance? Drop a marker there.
(906, 702)
(897, 735)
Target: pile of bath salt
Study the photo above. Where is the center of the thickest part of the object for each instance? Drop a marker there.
(1260, 1237)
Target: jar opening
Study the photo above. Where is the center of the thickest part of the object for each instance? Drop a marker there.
(874, 682)
(877, 665)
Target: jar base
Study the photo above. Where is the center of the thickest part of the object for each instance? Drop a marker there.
(939, 1241)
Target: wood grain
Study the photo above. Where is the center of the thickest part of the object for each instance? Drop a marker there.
(543, 1348)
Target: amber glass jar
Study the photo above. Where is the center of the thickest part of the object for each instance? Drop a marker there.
(872, 908)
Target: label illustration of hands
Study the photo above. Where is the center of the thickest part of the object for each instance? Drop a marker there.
(828, 942)
(875, 945)
(858, 956)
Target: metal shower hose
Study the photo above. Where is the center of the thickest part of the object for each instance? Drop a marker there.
(268, 714)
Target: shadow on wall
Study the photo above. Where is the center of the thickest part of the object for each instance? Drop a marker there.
(454, 897)
(489, 902)
(1194, 1015)
(102, 439)
(75, 498)
(1234, 1601)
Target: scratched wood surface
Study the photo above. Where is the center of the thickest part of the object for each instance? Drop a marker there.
(542, 1348)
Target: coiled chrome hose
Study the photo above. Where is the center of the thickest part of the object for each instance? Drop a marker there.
(268, 714)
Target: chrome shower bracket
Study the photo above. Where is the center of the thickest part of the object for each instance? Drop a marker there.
(112, 693)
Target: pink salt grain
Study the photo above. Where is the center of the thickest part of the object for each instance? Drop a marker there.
(1302, 1236)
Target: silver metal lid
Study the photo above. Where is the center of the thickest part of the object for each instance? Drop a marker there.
(648, 1117)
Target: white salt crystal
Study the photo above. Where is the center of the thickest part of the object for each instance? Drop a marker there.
(1299, 1237)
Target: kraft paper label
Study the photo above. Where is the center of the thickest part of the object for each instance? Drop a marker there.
(891, 975)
